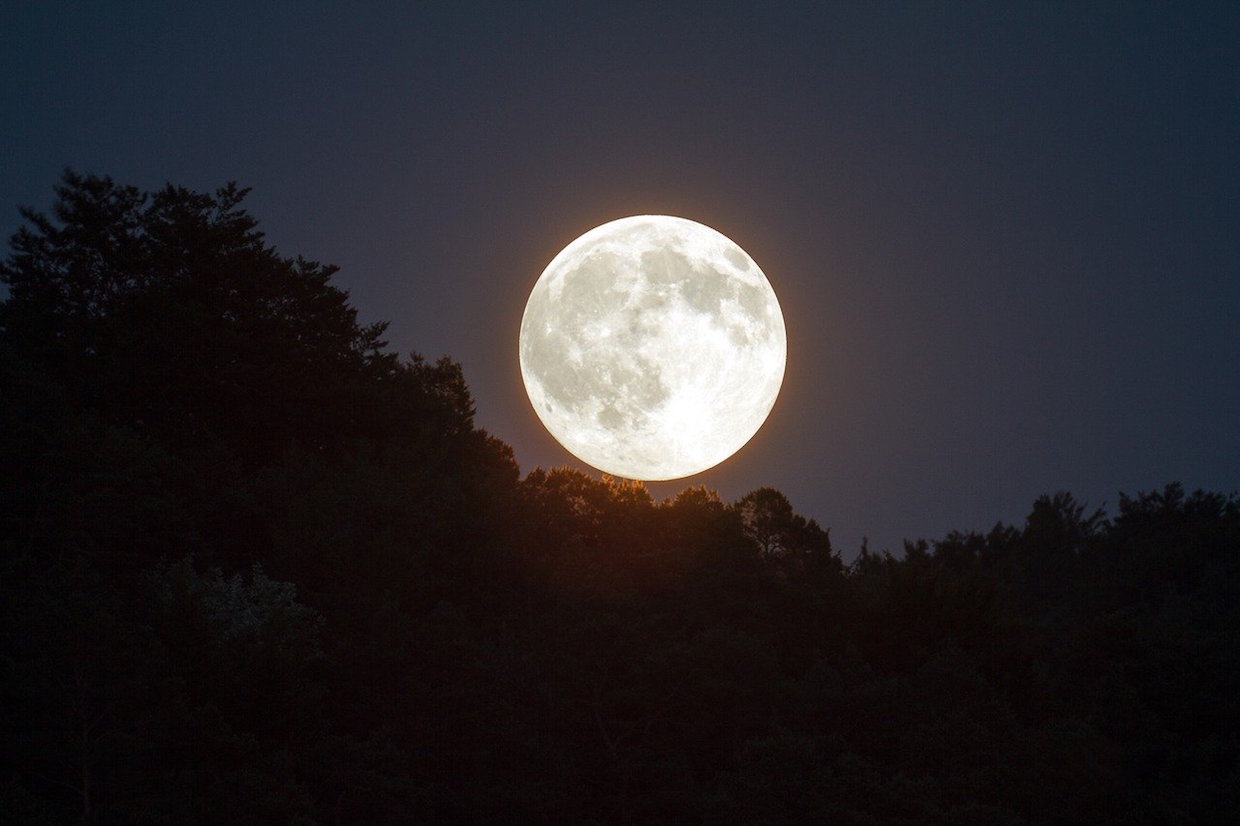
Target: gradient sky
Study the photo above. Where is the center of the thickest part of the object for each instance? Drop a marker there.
(1006, 237)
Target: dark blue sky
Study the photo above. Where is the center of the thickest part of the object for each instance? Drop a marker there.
(1006, 237)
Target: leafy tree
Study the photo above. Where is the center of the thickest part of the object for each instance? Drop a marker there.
(163, 325)
(778, 531)
(1047, 560)
(169, 314)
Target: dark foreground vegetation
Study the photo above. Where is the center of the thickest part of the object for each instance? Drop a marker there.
(254, 569)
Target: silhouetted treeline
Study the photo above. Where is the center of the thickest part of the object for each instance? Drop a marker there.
(255, 569)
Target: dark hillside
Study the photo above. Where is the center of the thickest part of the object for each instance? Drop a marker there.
(256, 569)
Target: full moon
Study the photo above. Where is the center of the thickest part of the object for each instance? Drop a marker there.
(652, 347)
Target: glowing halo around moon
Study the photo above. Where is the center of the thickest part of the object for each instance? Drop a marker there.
(652, 347)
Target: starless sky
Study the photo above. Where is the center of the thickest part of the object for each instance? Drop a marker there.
(1005, 236)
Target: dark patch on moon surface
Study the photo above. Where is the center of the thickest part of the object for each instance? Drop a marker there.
(736, 259)
(662, 267)
(705, 289)
(609, 416)
(753, 301)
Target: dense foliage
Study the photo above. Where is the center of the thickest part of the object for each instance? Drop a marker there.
(254, 569)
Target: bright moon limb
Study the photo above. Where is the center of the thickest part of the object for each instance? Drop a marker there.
(652, 347)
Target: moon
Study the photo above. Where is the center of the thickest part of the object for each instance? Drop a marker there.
(652, 347)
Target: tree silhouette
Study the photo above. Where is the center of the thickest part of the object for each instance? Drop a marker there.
(169, 314)
(253, 568)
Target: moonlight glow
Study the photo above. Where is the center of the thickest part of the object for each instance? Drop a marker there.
(652, 347)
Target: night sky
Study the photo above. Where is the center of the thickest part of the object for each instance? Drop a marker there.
(1005, 236)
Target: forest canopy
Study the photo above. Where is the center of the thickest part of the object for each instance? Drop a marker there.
(256, 568)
